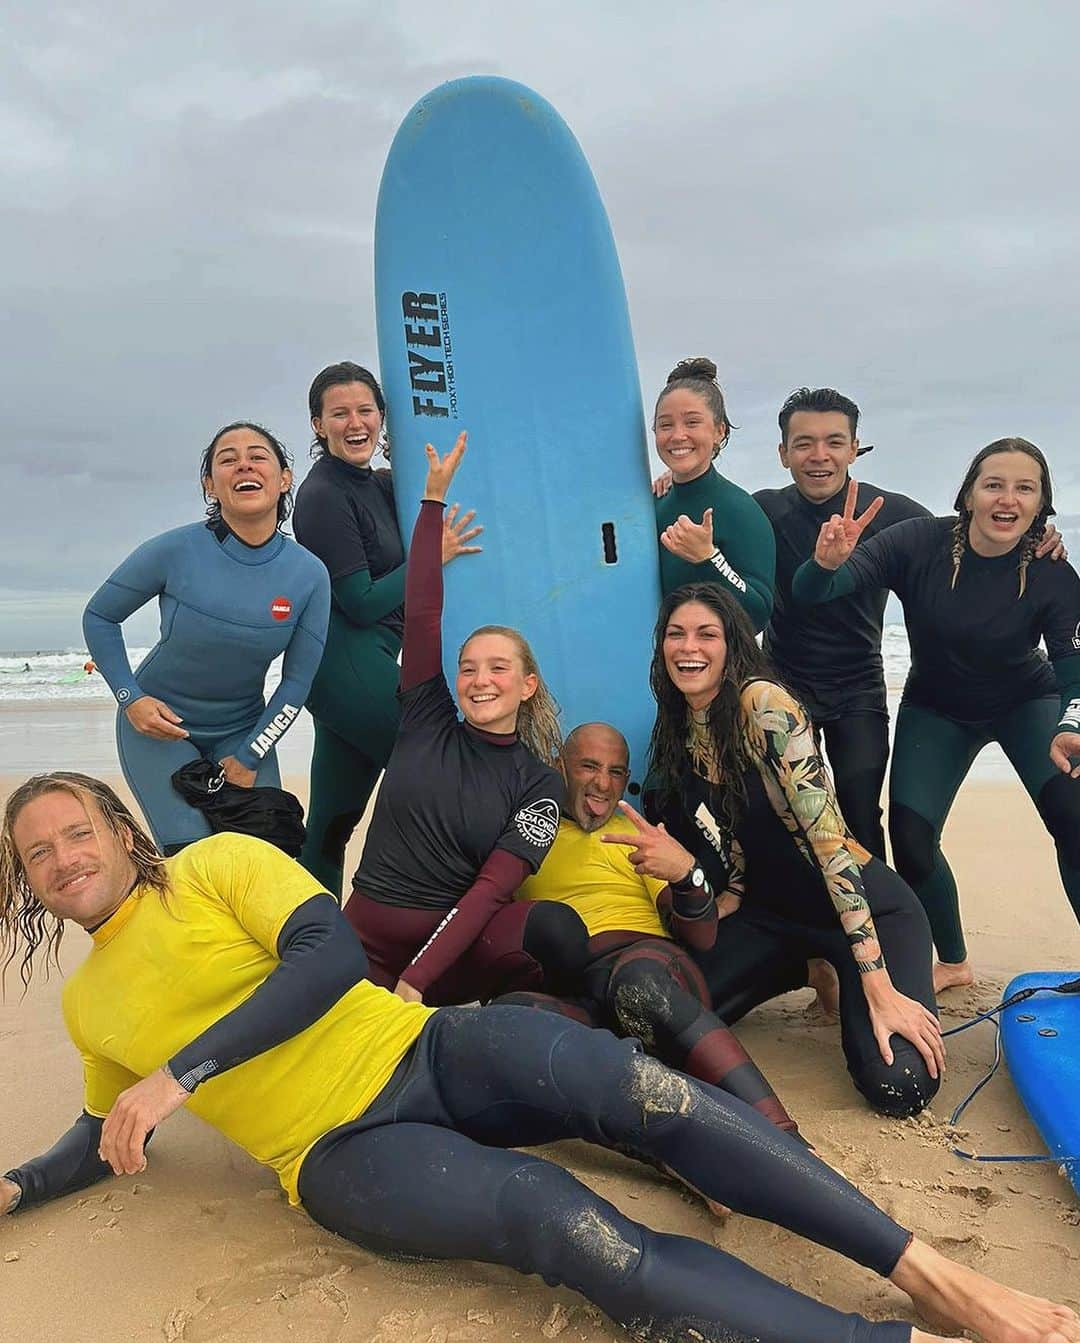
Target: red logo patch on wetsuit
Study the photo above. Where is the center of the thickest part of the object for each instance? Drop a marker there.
(281, 608)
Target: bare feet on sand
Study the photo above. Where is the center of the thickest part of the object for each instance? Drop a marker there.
(954, 1297)
(823, 979)
(952, 975)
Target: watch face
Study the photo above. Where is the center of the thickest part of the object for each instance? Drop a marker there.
(697, 877)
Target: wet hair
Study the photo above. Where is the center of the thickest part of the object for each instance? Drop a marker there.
(340, 375)
(698, 375)
(24, 920)
(1030, 540)
(670, 767)
(538, 716)
(213, 506)
(821, 400)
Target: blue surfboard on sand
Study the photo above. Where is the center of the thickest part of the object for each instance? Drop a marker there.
(501, 310)
(1041, 1039)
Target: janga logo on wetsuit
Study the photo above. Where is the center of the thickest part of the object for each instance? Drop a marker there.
(281, 608)
(538, 822)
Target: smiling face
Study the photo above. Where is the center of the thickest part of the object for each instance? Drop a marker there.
(817, 450)
(686, 434)
(1003, 502)
(695, 652)
(350, 422)
(246, 477)
(76, 866)
(492, 683)
(597, 767)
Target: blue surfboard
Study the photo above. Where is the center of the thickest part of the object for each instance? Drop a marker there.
(1041, 1039)
(501, 310)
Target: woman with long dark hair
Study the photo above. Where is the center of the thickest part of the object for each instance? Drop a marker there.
(234, 593)
(345, 515)
(736, 778)
(976, 604)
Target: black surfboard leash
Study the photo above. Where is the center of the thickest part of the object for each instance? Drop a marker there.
(1021, 995)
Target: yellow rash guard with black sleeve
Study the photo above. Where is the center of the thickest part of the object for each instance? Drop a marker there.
(163, 971)
(745, 558)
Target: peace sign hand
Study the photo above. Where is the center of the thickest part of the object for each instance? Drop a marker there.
(441, 470)
(840, 535)
(655, 852)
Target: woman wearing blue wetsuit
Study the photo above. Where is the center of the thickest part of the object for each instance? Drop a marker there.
(234, 593)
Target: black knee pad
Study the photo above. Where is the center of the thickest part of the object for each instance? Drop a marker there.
(1059, 806)
(913, 843)
(557, 939)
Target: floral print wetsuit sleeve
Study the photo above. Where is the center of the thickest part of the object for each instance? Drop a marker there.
(780, 742)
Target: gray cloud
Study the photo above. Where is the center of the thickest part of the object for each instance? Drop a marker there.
(881, 201)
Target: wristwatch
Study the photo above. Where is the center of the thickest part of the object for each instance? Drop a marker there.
(692, 883)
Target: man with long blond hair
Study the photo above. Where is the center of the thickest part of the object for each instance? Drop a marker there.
(226, 980)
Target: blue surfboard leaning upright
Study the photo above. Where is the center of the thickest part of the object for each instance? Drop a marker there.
(501, 310)
(1041, 1039)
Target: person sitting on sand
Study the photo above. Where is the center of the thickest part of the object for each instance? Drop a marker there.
(226, 979)
(637, 978)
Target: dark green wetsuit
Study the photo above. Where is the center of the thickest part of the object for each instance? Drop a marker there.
(976, 676)
(746, 550)
(345, 515)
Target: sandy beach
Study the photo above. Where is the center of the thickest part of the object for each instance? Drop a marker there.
(203, 1245)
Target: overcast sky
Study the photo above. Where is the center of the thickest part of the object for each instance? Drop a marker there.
(833, 194)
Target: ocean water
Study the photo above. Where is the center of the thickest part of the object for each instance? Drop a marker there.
(53, 715)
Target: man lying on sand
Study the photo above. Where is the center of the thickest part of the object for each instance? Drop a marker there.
(227, 980)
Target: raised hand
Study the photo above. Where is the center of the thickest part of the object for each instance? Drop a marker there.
(456, 532)
(440, 471)
(655, 852)
(662, 484)
(840, 535)
(1064, 746)
(691, 541)
(1052, 544)
(153, 718)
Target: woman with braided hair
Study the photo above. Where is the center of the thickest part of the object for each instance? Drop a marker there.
(976, 605)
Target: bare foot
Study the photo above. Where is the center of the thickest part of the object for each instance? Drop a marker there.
(719, 1210)
(956, 1297)
(823, 979)
(952, 975)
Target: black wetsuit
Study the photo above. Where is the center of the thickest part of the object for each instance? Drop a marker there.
(462, 818)
(977, 675)
(345, 515)
(831, 655)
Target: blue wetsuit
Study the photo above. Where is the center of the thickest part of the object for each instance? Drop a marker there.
(227, 611)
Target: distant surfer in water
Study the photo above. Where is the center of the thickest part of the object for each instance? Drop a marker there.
(467, 810)
(234, 593)
(736, 777)
(226, 981)
(710, 530)
(345, 515)
(976, 603)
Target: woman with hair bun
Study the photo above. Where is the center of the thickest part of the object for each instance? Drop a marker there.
(976, 604)
(467, 810)
(710, 530)
(234, 592)
(345, 515)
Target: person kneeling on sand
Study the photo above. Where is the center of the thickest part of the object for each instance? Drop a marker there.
(227, 980)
